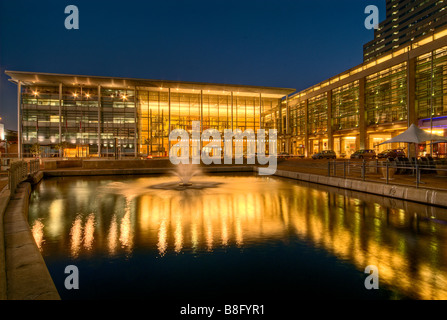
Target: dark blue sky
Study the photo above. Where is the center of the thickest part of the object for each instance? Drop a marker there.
(279, 43)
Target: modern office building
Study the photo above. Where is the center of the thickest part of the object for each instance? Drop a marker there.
(402, 81)
(98, 116)
(397, 85)
(406, 21)
(371, 103)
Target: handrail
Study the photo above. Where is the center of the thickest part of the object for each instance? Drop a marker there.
(388, 169)
(18, 172)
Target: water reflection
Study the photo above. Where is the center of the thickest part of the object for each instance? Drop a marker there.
(406, 241)
(37, 231)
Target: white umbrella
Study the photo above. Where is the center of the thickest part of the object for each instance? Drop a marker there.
(438, 142)
(415, 135)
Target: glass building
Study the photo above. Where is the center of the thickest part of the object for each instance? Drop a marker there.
(397, 85)
(406, 21)
(95, 116)
(371, 103)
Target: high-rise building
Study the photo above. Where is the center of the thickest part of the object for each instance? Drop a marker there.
(406, 22)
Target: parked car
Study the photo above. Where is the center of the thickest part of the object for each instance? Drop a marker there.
(326, 154)
(391, 153)
(283, 155)
(366, 154)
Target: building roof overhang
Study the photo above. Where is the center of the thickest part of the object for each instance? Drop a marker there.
(42, 79)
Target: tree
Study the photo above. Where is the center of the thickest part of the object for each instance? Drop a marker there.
(35, 150)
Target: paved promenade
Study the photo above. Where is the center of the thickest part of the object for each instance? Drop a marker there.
(320, 167)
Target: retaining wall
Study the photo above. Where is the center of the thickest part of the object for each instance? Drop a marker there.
(4, 200)
(23, 272)
(426, 196)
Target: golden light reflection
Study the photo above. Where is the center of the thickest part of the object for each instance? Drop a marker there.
(55, 223)
(126, 233)
(76, 237)
(163, 238)
(178, 235)
(37, 231)
(89, 232)
(112, 238)
(399, 238)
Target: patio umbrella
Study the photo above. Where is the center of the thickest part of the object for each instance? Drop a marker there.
(415, 135)
(438, 142)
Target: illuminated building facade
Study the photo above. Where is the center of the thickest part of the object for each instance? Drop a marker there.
(406, 21)
(370, 103)
(96, 116)
(398, 85)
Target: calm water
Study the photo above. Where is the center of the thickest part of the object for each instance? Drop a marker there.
(247, 238)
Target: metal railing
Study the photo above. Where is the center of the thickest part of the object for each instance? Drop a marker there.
(395, 171)
(34, 166)
(19, 171)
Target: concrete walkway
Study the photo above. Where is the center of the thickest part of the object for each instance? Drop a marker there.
(431, 181)
(26, 272)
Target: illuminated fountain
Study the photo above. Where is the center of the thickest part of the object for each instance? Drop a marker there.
(185, 173)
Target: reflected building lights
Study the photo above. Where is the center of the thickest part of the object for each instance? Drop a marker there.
(76, 237)
(363, 233)
(55, 223)
(126, 237)
(89, 232)
(163, 238)
(178, 235)
(112, 238)
(37, 231)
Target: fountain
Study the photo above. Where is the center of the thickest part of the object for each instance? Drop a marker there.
(186, 173)
(181, 180)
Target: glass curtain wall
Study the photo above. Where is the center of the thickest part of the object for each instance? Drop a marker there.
(158, 115)
(318, 114)
(130, 121)
(118, 119)
(79, 121)
(345, 107)
(40, 117)
(431, 84)
(386, 96)
(298, 119)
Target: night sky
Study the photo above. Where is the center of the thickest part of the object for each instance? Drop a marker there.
(278, 43)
